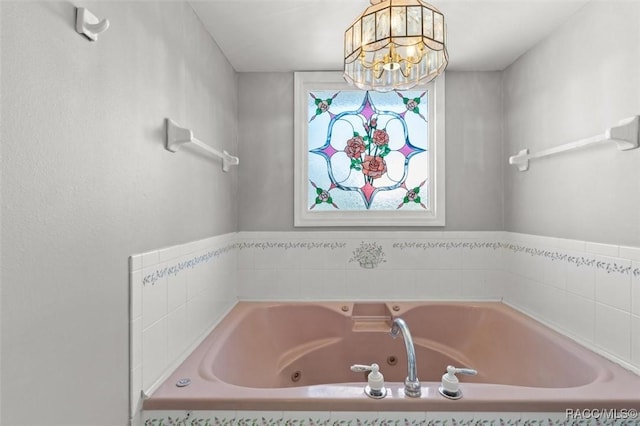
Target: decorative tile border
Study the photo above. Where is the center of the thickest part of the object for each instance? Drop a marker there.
(371, 254)
(609, 267)
(446, 419)
(447, 245)
(614, 267)
(175, 269)
(308, 245)
(551, 255)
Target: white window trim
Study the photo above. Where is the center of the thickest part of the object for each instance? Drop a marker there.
(435, 216)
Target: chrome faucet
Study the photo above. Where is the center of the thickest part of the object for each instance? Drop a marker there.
(411, 383)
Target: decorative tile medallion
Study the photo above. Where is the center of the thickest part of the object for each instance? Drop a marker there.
(368, 255)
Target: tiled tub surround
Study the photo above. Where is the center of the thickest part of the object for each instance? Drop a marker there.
(411, 266)
(590, 292)
(177, 295)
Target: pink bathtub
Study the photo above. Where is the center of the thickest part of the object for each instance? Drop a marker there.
(296, 356)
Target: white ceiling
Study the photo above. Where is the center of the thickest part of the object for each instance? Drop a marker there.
(307, 35)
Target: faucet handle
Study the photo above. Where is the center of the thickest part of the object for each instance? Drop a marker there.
(450, 387)
(468, 371)
(358, 368)
(375, 380)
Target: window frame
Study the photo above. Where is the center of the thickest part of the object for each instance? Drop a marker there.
(304, 82)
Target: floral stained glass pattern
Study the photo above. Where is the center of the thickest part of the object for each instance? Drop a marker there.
(368, 150)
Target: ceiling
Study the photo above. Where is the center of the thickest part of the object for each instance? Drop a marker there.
(307, 35)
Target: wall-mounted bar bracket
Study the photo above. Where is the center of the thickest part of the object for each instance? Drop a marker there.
(626, 135)
(178, 136)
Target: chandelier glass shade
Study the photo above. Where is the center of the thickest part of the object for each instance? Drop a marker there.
(395, 45)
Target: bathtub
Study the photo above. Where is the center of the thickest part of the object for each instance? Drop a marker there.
(296, 357)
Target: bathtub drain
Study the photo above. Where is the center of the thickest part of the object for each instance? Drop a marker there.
(296, 376)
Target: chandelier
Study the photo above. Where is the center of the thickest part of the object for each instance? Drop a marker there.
(395, 45)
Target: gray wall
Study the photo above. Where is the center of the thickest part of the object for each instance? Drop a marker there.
(579, 81)
(87, 182)
(474, 184)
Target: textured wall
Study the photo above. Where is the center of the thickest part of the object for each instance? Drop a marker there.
(579, 81)
(473, 150)
(87, 182)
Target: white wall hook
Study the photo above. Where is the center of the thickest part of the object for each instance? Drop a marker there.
(626, 135)
(89, 25)
(178, 136)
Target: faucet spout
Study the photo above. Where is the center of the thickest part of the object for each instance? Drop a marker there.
(411, 383)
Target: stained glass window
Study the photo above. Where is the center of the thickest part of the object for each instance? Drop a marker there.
(367, 157)
(368, 150)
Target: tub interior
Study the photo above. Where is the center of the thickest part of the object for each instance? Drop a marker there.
(290, 345)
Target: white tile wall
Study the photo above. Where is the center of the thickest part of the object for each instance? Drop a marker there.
(154, 299)
(581, 280)
(635, 339)
(602, 249)
(635, 289)
(588, 294)
(632, 253)
(613, 331)
(613, 289)
(177, 294)
(154, 352)
(427, 265)
(577, 287)
(591, 292)
(581, 316)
